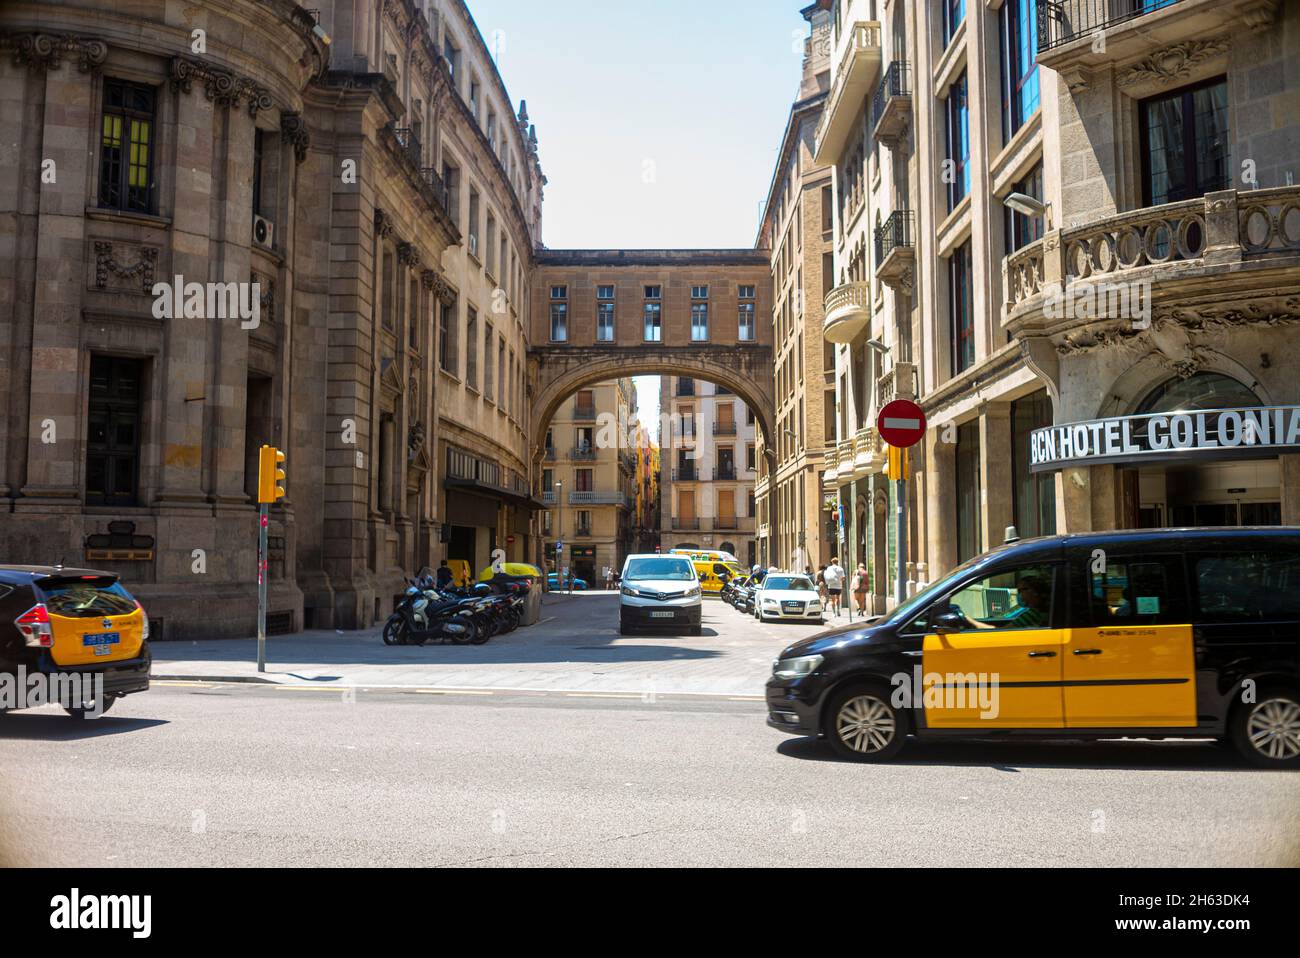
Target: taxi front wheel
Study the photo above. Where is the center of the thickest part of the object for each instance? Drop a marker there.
(863, 725)
(1266, 732)
(88, 710)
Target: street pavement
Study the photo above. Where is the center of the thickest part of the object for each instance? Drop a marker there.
(326, 773)
(575, 647)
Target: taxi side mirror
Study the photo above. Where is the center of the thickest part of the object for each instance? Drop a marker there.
(947, 622)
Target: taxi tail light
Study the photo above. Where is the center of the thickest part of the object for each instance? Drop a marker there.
(144, 621)
(34, 624)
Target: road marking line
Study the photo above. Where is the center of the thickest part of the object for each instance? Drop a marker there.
(447, 692)
(313, 688)
(746, 698)
(598, 695)
(186, 685)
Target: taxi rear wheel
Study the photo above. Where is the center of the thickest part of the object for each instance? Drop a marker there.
(1266, 732)
(863, 725)
(87, 710)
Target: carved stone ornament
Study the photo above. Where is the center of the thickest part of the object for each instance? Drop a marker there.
(383, 224)
(435, 281)
(106, 266)
(1175, 62)
(222, 88)
(47, 51)
(408, 255)
(295, 131)
(415, 439)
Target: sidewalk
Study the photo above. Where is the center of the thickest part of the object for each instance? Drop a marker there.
(575, 647)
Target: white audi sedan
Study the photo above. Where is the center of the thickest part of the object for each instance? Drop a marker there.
(790, 597)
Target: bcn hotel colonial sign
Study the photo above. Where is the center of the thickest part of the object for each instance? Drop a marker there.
(1168, 436)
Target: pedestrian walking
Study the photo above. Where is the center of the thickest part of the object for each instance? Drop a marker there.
(860, 589)
(835, 584)
(821, 584)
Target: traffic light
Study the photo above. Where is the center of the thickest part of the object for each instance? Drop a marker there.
(270, 475)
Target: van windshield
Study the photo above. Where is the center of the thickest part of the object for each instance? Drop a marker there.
(665, 568)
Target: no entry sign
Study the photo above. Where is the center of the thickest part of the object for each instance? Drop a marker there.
(901, 424)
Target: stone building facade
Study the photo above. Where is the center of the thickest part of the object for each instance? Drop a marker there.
(993, 167)
(358, 171)
(795, 530)
(589, 482)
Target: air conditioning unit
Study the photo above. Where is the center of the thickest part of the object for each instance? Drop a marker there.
(263, 232)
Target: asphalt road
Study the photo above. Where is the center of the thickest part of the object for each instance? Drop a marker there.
(209, 774)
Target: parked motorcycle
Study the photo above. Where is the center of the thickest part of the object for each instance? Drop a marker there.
(424, 615)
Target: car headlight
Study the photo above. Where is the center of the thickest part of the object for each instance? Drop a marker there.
(796, 667)
(628, 591)
(692, 592)
(771, 602)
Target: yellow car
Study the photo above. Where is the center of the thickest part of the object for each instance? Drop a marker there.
(76, 634)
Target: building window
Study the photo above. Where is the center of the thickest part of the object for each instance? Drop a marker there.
(584, 480)
(1021, 230)
(559, 314)
(448, 334)
(113, 436)
(473, 223)
(699, 322)
(489, 361)
(126, 147)
(954, 11)
(605, 322)
(961, 309)
(654, 331)
(1185, 143)
(1034, 496)
(699, 292)
(491, 244)
(747, 330)
(969, 516)
(1020, 94)
(451, 180)
(471, 345)
(956, 171)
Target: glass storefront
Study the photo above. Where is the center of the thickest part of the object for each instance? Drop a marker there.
(1034, 495)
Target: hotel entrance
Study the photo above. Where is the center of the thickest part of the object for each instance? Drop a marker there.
(1202, 451)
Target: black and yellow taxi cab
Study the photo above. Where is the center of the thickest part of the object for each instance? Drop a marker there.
(1187, 633)
(58, 621)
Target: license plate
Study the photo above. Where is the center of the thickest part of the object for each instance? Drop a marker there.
(661, 615)
(102, 643)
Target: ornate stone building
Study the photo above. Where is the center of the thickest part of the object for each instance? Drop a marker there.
(358, 177)
(795, 530)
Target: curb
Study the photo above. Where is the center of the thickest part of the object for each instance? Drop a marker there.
(213, 678)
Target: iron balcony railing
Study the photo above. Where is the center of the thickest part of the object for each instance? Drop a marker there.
(724, 429)
(685, 474)
(899, 231)
(690, 525)
(726, 522)
(592, 498)
(409, 143)
(1060, 21)
(435, 183)
(584, 412)
(895, 83)
(725, 473)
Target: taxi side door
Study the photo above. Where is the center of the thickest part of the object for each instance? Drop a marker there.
(1001, 667)
(1129, 661)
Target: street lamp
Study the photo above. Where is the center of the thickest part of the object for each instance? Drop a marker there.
(1027, 205)
(559, 533)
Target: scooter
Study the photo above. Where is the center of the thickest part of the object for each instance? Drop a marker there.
(424, 616)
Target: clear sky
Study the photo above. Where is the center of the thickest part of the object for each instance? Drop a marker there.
(658, 122)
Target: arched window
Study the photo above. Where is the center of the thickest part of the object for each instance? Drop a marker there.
(1201, 391)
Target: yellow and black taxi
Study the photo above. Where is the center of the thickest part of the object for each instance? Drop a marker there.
(56, 621)
(1187, 633)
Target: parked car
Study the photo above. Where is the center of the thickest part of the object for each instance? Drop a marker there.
(789, 597)
(571, 584)
(659, 591)
(74, 623)
(1163, 633)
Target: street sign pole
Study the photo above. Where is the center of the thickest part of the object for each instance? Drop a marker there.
(901, 424)
(263, 522)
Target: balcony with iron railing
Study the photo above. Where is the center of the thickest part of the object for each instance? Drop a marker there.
(896, 249)
(1237, 244)
(724, 428)
(851, 84)
(550, 454)
(724, 473)
(583, 453)
(591, 498)
(582, 531)
(584, 412)
(403, 143)
(848, 311)
(686, 525)
(1078, 37)
(891, 108)
(685, 389)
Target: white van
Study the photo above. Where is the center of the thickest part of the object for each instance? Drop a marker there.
(659, 592)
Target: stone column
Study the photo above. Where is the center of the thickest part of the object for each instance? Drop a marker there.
(997, 508)
(941, 498)
(55, 431)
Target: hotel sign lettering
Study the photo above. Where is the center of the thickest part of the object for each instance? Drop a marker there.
(1167, 436)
